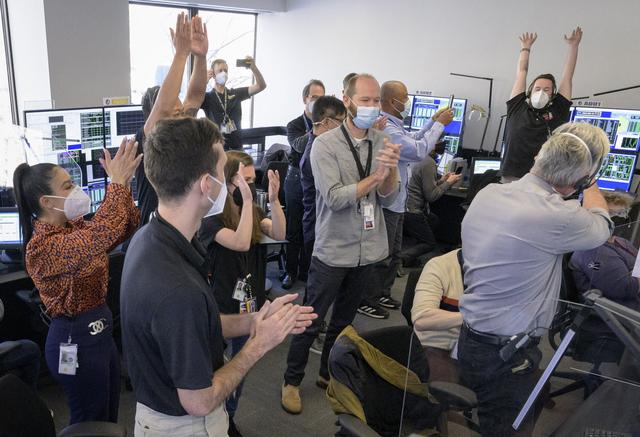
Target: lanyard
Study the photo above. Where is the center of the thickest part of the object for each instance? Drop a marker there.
(307, 127)
(364, 172)
(224, 105)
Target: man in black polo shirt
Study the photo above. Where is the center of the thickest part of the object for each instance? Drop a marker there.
(172, 330)
(223, 105)
(534, 114)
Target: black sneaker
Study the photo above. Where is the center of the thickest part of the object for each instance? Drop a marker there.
(317, 346)
(233, 431)
(373, 312)
(389, 302)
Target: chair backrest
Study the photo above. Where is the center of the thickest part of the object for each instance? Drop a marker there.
(478, 182)
(409, 293)
(22, 412)
(381, 398)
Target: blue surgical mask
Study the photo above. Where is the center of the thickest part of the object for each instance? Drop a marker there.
(366, 116)
(406, 108)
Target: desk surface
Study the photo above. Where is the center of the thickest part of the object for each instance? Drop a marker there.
(12, 275)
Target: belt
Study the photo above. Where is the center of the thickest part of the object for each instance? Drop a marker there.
(493, 339)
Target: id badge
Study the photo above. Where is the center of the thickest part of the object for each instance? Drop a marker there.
(368, 215)
(248, 305)
(454, 350)
(223, 129)
(68, 361)
(238, 292)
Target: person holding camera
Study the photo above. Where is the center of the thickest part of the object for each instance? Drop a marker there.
(222, 105)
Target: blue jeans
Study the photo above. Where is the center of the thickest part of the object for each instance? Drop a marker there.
(231, 403)
(23, 360)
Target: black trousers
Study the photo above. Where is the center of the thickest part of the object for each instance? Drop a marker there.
(501, 392)
(297, 264)
(387, 268)
(341, 286)
(420, 227)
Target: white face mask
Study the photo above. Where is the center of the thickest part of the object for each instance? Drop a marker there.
(406, 108)
(539, 99)
(218, 204)
(310, 107)
(76, 204)
(221, 77)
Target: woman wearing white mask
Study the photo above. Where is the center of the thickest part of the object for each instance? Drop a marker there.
(67, 259)
(533, 113)
(222, 105)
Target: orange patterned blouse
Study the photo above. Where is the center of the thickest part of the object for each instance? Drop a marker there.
(70, 265)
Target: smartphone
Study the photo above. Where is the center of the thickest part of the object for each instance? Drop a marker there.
(450, 105)
(242, 63)
(459, 170)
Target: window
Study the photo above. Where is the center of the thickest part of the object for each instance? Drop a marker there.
(231, 37)
(6, 98)
(151, 47)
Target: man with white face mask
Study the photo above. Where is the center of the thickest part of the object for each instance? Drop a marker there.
(533, 113)
(355, 169)
(222, 105)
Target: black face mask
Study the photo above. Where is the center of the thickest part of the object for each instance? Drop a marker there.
(237, 194)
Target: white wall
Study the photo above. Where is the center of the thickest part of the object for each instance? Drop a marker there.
(421, 41)
(88, 46)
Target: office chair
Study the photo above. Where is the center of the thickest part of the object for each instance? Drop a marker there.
(409, 293)
(594, 342)
(24, 413)
(381, 391)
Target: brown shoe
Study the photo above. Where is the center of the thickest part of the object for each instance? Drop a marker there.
(291, 402)
(322, 383)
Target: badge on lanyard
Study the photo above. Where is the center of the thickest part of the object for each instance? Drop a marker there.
(238, 292)
(68, 360)
(244, 293)
(368, 214)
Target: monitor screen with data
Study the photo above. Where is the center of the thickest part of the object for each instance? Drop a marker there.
(425, 106)
(618, 172)
(9, 228)
(481, 165)
(622, 126)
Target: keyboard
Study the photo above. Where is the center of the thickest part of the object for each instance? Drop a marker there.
(595, 432)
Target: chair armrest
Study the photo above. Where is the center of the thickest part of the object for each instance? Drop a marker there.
(355, 426)
(454, 395)
(94, 429)
(8, 346)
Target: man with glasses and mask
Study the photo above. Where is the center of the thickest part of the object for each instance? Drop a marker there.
(513, 239)
(355, 171)
(414, 147)
(533, 113)
(297, 264)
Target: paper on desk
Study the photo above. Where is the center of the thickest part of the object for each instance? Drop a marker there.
(636, 268)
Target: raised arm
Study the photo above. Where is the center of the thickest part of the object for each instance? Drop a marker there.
(260, 83)
(198, 81)
(566, 83)
(168, 95)
(276, 226)
(520, 85)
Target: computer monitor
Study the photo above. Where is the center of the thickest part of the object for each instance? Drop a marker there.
(424, 107)
(10, 237)
(69, 129)
(407, 119)
(120, 122)
(622, 126)
(618, 171)
(481, 165)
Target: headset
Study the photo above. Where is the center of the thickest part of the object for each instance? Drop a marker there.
(587, 181)
(548, 76)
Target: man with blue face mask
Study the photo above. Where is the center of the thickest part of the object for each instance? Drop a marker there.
(355, 172)
(414, 147)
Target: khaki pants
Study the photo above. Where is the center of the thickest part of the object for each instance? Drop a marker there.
(150, 423)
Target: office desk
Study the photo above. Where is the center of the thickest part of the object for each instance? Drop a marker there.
(613, 406)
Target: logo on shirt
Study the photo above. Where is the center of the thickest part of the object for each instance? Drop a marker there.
(97, 326)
